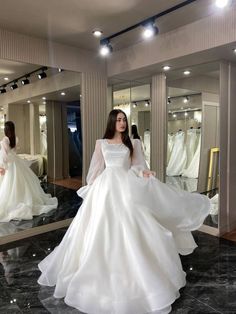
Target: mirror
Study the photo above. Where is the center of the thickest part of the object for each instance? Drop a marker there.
(46, 114)
(133, 97)
(193, 132)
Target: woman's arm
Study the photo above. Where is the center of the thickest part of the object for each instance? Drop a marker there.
(97, 163)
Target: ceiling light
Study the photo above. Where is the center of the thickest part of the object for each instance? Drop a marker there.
(14, 86)
(185, 114)
(44, 98)
(174, 115)
(147, 103)
(3, 90)
(221, 3)
(44, 102)
(134, 105)
(60, 70)
(28, 101)
(187, 72)
(63, 93)
(97, 32)
(6, 78)
(25, 81)
(105, 48)
(234, 50)
(150, 29)
(166, 67)
(42, 75)
(186, 99)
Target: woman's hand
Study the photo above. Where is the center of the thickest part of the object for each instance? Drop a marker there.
(148, 173)
(2, 171)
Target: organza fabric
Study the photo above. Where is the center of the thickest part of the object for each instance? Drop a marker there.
(21, 196)
(120, 254)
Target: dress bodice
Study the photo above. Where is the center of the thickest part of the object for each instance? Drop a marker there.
(116, 155)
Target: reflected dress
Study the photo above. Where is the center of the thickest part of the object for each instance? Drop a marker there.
(120, 254)
(21, 196)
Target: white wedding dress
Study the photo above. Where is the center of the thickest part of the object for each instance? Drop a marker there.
(21, 196)
(178, 156)
(120, 254)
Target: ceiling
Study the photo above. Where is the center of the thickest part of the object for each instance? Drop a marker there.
(71, 22)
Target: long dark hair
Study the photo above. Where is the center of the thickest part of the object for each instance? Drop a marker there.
(9, 131)
(134, 131)
(111, 129)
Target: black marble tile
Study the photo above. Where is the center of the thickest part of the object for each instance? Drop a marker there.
(211, 277)
(189, 305)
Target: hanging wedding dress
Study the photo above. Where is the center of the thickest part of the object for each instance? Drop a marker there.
(191, 145)
(178, 156)
(170, 145)
(21, 196)
(120, 255)
(147, 142)
(193, 168)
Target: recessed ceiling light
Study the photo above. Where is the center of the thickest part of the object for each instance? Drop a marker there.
(63, 93)
(97, 32)
(221, 3)
(187, 72)
(44, 98)
(28, 101)
(166, 67)
(6, 78)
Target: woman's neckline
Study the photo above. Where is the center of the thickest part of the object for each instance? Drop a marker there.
(113, 143)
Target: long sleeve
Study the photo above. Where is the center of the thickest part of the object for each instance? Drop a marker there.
(97, 163)
(138, 163)
(4, 153)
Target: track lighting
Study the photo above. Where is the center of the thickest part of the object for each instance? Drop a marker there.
(105, 48)
(14, 86)
(25, 81)
(150, 29)
(147, 103)
(149, 24)
(134, 105)
(186, 99)
(43, 74)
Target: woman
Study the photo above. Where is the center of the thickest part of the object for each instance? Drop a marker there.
(120, 254)
(134, 132)
(21, 196)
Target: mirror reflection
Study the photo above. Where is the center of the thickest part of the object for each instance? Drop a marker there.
(192, 160)
(45, 110)
(133, 97)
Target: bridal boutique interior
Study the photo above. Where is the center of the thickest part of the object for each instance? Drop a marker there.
(199, 39)
(46, 114)
(193, 133)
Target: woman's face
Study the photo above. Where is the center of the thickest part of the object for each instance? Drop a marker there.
(121, 122)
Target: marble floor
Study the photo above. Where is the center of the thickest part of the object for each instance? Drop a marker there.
(211, 277)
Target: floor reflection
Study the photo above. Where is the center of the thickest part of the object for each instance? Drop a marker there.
(68, 205)
(211, 277)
